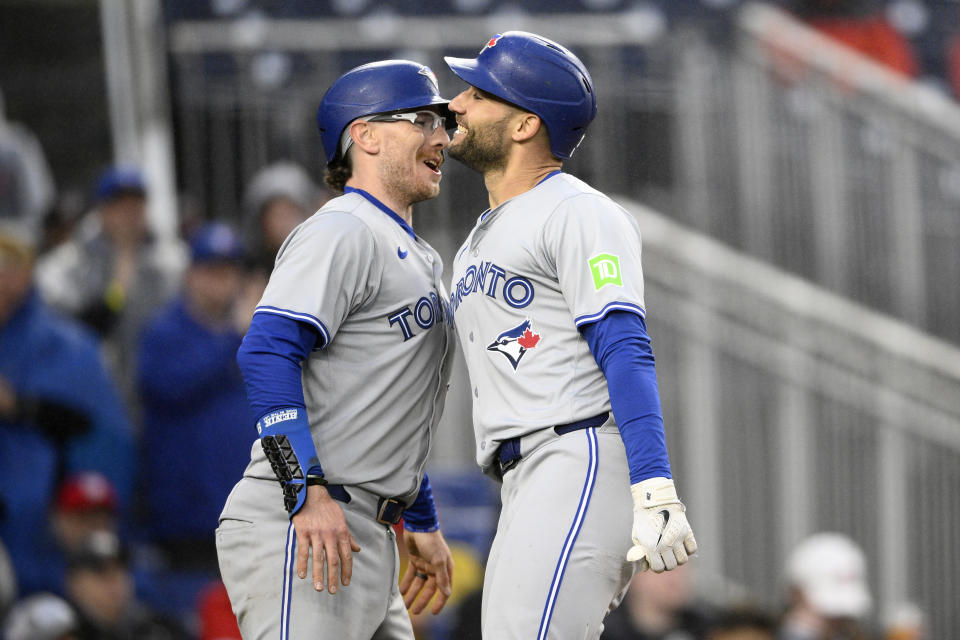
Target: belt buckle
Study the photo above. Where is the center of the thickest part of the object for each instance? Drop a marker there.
(384, 514)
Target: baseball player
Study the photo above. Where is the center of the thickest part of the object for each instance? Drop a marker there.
(547, 292)
(346, 364)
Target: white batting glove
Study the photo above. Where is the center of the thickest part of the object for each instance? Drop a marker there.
(662, 537)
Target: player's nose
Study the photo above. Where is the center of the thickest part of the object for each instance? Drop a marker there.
(456, 104)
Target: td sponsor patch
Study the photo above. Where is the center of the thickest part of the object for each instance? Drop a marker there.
(605, 269)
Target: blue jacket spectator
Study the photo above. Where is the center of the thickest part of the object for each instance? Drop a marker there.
(197, 435)
(59, 414)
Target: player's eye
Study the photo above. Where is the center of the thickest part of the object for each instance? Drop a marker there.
(429, 121)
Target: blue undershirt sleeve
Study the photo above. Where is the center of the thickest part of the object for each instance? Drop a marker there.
(620, 345)
(269, 358)
(421, 516)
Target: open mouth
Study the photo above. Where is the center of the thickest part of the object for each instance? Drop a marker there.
(433, 164)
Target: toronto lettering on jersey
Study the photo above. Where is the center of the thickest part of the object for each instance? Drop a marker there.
(492, 280)
(428, 311)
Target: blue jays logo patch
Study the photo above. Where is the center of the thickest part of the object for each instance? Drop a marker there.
(492, 42)
(515, 342)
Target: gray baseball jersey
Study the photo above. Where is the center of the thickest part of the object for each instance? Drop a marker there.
(532, 271)
(377, 388)
(529, 274)
(374, 394)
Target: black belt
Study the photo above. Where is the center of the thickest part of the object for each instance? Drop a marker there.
(389, 510)
(508, 454)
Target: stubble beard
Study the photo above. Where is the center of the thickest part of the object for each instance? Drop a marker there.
(400, 181)
(483, 149)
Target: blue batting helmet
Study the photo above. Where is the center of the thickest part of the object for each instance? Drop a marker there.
(537, 75)
(377, 87)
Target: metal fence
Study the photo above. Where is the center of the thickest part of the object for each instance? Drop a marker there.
(814, 158)
(789, 409)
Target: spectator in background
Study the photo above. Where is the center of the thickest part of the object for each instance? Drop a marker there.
(658, 606)
(26, 185)
(863, 26)
(59, 413)
(86, 502)
(101, 588)
(828, 592)
(194, 441)
(42, 616)
(113, 274)
(278, 198)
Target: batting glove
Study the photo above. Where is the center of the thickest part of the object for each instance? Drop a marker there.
(662, 538)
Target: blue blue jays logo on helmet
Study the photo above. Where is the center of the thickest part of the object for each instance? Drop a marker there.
(515, 342)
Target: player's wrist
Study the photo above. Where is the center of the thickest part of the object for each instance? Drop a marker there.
(288, 446)
(653, 492)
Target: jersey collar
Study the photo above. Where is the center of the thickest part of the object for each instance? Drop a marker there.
(387, 210)
(548, 176)
(484, 215)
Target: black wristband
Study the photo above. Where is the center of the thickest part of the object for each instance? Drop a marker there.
(313, 481)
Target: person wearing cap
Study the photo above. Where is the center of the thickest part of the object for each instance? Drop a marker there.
(112, 274)
(101, 588)
(86, 502)
(278, 197)
(548, 294)
(828, 594)
(346, 363)
(193, 398)
(59, 414)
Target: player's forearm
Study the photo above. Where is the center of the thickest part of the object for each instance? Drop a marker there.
(621, 347)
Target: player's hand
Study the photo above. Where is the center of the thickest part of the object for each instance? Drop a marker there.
(429, 572)
(662, 537)
(322, 528)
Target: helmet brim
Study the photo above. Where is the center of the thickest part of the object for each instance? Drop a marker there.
(470, 71)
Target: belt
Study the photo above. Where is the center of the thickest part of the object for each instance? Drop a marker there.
(389, 510)
(508, 454)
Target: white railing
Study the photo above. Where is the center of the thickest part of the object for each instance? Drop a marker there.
(790, 409)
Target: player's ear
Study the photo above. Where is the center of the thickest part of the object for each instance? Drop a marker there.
(365, 136)
(526, 126)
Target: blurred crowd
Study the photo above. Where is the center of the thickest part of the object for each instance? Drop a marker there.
(123, 416)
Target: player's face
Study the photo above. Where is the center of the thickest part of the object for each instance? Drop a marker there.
(411, 156)
(481, 141)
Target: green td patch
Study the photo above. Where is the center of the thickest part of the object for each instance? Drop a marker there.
(605, 269)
